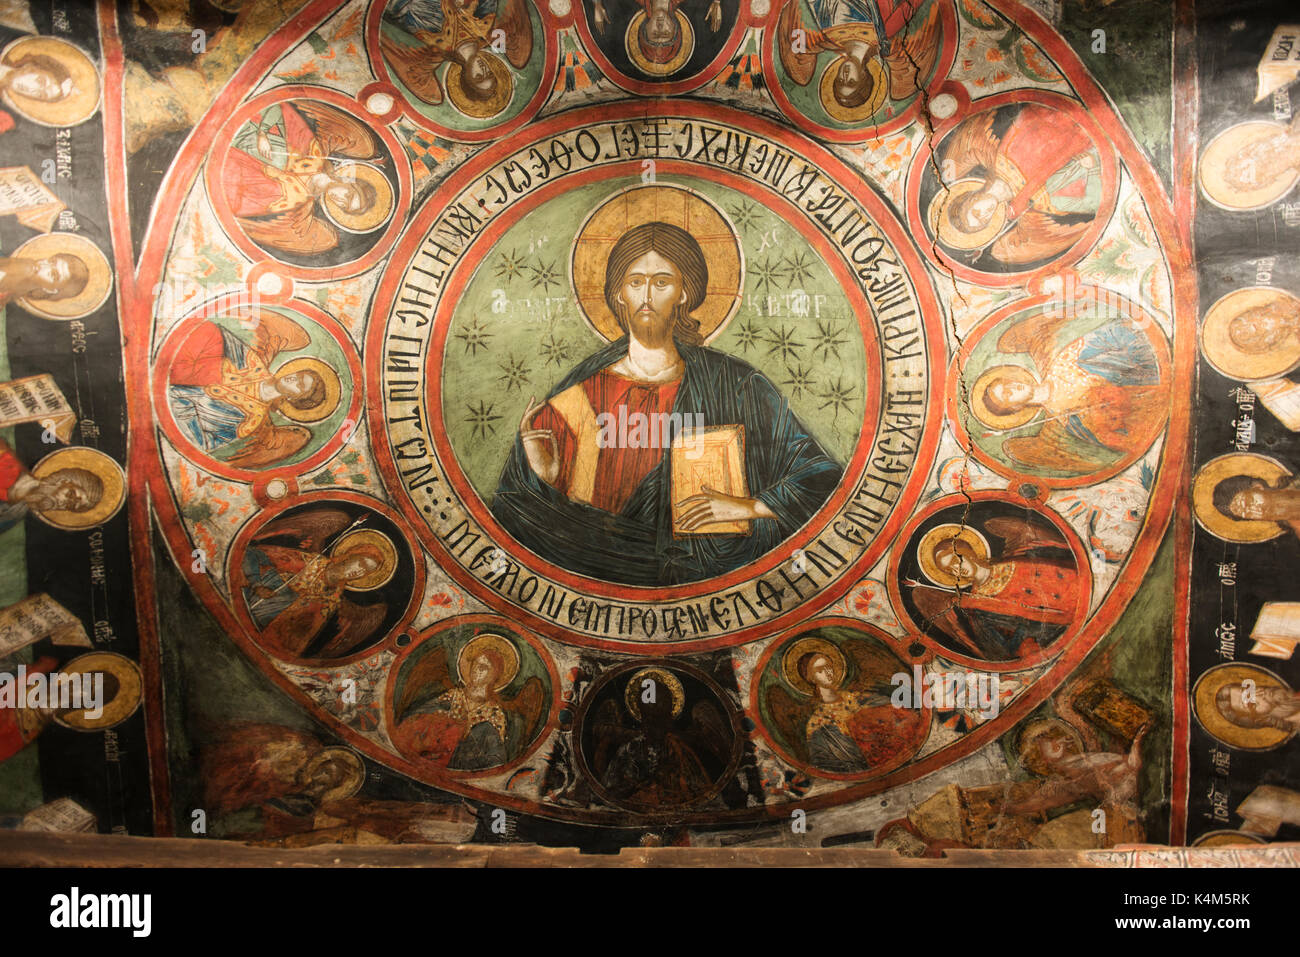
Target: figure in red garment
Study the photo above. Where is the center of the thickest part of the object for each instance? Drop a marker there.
(1004, 608)
(222, 391)
(19, 727)
(283, 169)
(872, 41)
(1036, 186)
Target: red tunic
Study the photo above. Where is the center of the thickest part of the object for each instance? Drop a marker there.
(619, 469)
(1039, 142)
(10, 470)
(12, 739)
(1035, 589)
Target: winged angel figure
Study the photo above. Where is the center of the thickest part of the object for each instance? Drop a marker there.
(450, 49)
(466, 721)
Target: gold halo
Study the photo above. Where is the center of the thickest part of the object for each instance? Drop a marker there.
(1220, 151)
(805, 646)
(98, 285)
(367, 220)
(351, 784)
(880, 83)
(368, 536)
(79, 106)
(639, 59)
(130, 689)
(947, 532)
(632, 693)
(680, 207)
(941, 223)
(488, 641)
(1218, 347)
(984, 415)
(1216, 470)
(493, 105)
(1026, 746)
(1228, 839)
(1207, 712)
(92, 460)
(333, 389)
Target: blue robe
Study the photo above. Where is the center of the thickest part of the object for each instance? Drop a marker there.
(785, 467)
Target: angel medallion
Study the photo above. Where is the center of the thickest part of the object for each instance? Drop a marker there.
(483, 716)
(321, 583)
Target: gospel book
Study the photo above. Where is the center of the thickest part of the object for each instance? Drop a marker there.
(712, 458)
(1277, 629)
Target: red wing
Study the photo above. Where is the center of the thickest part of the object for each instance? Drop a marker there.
(790, 715)
(312, 528)
(1051, 448)
(529, 704)
(297, 230)
(1036, 236)
(512, 17)
(339, 134)
(270, 444)
(1018, 534)
(800, 65)
(276, 333)
(356, 624)
(432, 671)
(913, 54)
(972, 145)
(416, 67)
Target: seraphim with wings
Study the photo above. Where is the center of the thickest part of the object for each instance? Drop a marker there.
(300, 171)
(840, 719)
(304, 576)
(1020, 196)
(881, 48)
(1088, 403)
(448, 49)
(466, 721)
(996, 604)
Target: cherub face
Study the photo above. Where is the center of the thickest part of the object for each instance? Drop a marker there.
(980, 211)
(479, 73)
(661, 27)
(1250, 504)
(957, 560)
(295, 384)
(355, 567)
(822, 673)
(346, 197)
(480, 671)
(37, 84)
(1011, 393)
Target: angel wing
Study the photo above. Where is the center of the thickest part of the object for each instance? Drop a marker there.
(1036, 236)
(416, 67)
(871, 665)
(270, 444)
(912, 56)
(529, 704)
(298, 230)
(803, 63)
(938, 607)
(790, 716)
(972, 145)
(1037, 336)
(338, 133)
(1052, 448)
(431, 672)
(512, 17)
(709, 730)
(275, 333)
(311, 529)
(1021, 534)
(356, 624)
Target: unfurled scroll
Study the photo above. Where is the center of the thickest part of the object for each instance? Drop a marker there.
(37, 617)
(37, 399)
(25, 197)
